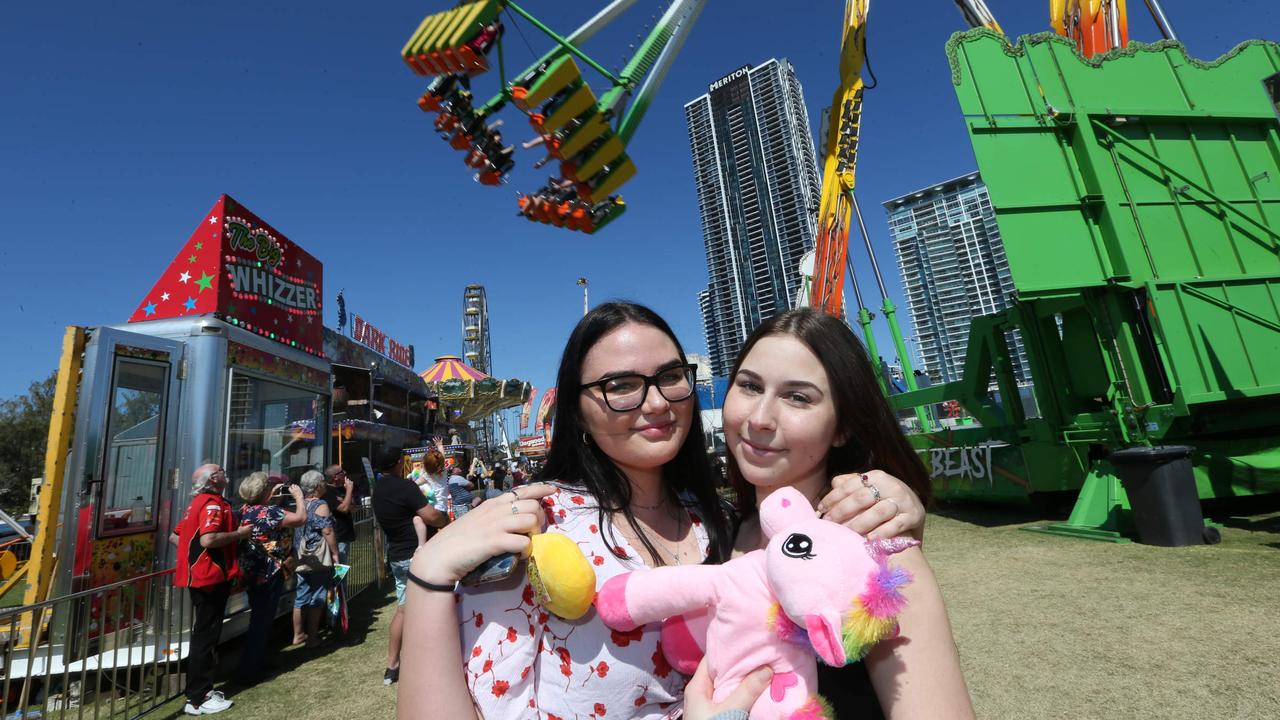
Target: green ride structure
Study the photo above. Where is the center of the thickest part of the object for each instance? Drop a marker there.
(1138, 198)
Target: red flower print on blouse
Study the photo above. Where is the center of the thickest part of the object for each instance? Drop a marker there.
(640, 700)
(623, 639)
(660, 666)
(600, 709)
(479, 619)
(527, 597)
(525, 672)
(598, 560)
(500, 688)
(511, 634)
(475, 651)
(602, 669)
(561, 513)
(488, 665)
(594, 528)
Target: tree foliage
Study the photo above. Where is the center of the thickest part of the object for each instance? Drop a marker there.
(24, 431)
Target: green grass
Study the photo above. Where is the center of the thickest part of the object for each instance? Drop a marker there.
(1048, 627)
(1054, 627)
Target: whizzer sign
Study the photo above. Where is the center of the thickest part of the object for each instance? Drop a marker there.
(247, 273)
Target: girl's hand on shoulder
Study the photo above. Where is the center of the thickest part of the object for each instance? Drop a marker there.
(497, 526)
(853, 504)
(697, 694)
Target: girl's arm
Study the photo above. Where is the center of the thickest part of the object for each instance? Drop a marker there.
(918, 674)
(432, 683)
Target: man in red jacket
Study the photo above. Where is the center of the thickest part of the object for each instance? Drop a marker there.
(206, 539)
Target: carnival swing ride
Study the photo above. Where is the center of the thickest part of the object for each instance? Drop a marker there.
(587, 135)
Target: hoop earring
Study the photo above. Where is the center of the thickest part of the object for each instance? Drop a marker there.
(586, 439)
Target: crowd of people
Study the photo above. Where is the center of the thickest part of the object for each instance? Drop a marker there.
(300, 530)
(627, 479)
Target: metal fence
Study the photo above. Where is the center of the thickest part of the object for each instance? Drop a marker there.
(107, 651)
(115, 651)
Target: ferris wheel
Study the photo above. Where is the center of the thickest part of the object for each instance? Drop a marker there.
(475, 350)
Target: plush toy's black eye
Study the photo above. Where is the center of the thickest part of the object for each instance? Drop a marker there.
(798, 546)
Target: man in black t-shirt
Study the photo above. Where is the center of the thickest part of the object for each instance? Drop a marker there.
(396, 501)
(344, 494)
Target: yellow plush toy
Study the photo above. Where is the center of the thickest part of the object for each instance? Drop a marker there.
(562, 578)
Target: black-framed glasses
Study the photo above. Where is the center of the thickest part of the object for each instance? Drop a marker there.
(627, 392)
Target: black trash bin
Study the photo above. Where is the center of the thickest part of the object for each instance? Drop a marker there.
(1162, 494)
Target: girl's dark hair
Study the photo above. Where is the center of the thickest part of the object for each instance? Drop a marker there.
(874, 438)
(572, 461)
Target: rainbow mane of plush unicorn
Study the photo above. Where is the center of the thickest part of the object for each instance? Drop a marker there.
(818, 588)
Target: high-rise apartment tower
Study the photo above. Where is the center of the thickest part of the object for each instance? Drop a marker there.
(953, 269)
(758, 192)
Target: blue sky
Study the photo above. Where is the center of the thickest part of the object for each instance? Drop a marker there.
(121, 125)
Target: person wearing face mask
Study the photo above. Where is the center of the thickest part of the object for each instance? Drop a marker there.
(206, 539)
(632, 486)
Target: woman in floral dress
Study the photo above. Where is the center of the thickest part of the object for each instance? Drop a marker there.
(264, 560)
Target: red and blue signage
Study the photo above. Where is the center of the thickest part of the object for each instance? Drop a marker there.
(246, 272)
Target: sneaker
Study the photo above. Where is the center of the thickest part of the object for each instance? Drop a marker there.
(214, 702)
(391, 675)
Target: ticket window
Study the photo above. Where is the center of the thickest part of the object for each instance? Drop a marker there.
(273, 427)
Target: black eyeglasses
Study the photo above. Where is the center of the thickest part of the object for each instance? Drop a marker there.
(627, 392)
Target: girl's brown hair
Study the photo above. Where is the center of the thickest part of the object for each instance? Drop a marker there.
(875, 440)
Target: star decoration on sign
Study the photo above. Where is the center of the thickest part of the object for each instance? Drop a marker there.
(205, 282)
(150, 309)
(199, 246)
(184, 277)
(191, 259)
(190, 304)
(213, 219)
(164, 296)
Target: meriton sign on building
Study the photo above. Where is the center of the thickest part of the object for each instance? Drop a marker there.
(729, 78)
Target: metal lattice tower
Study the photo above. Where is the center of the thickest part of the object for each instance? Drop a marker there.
(475, 351)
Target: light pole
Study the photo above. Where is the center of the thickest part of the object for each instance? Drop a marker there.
(583, 282)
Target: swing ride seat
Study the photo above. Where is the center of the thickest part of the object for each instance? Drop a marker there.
(621, 169)
(528, 94)
(439, 45)
(601, 216)
(574, 102)
(595, 157)
(591, 128)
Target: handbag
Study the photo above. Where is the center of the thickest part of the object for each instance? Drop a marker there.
(315, 557)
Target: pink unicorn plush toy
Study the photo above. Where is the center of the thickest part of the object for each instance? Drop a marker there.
(818, 587)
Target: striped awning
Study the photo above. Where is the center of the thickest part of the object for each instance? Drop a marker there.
(451, 367)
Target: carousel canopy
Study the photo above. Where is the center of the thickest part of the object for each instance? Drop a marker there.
(451, 367)
(470, 391)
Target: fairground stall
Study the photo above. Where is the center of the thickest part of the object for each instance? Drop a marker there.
(225, 360)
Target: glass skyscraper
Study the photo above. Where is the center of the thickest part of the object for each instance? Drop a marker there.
(758, 193)
(953, 269)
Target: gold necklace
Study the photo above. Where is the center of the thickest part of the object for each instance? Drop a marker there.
(675, 554)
